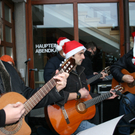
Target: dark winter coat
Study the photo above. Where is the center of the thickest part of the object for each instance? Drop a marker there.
(75, 82)
(51, 66)
(125, 62)
(17, 85)
(87, 63)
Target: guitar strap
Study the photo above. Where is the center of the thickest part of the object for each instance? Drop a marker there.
(4, 79)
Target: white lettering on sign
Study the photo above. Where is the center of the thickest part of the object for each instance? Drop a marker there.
(45, 48)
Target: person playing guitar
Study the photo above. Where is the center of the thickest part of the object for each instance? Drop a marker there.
(123, 72)
(76, 87)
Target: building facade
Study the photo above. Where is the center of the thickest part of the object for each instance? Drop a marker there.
(32, 27)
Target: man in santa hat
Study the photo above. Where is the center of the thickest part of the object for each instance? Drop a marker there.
(76, 87)
(54, 62)
(127, 62)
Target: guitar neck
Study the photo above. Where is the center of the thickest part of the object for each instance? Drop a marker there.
(97, 99)
(38, 96)
(92, 79)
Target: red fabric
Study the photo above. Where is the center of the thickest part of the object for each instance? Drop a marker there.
(133, 35)
(61, 38)
(71, 45)
(7, 58)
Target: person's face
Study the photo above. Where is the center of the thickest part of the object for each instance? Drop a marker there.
(79, 57)
(93, 51)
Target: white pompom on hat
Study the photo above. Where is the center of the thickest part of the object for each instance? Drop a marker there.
(133, 60)
(72, 47)
(60, 42)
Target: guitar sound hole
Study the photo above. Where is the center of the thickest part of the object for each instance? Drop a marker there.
(131, 84)
(81, 107)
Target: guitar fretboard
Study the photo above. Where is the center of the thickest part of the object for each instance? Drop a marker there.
(96, 100)
(92, 79)
(40, 94)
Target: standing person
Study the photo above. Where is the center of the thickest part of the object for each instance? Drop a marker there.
(10, 81)
(91, 49)
(125, 62)
(76, 87)
(54, 62)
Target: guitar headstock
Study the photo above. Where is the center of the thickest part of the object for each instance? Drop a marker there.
(68, 65)
(119, 88)
(107, 70)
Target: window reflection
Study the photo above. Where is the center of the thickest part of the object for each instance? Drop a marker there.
(98, 22)
(9, 51)
(7, 13)
(49, 23)
(131, 21)
(1, 51)
(8, 33)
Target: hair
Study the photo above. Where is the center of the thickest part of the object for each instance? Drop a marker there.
(90, 45)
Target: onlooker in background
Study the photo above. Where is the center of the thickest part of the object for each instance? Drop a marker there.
(54, 63)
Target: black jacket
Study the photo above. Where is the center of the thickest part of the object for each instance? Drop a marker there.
(87, 63)
(125, 62)
(75, 81)
(17, 85)
(51, 66)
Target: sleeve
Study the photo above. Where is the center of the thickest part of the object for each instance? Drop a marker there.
(117, 67)
(87, 64)
(49, 71)
(2, 118)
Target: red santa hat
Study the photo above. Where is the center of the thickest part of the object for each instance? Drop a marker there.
(60, 42)
(72, 47)
(133, 60)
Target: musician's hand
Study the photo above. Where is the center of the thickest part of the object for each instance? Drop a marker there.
(95, 73)
(84, 92)
(13, 112)
(103, 75)
(114, 95)
(61, 80)
(128, 78)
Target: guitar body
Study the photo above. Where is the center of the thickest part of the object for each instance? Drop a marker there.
(57, 122)
(19, 128)
(128, 87)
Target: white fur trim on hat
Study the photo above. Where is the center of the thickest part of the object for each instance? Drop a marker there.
(74, 51)
(62, 42)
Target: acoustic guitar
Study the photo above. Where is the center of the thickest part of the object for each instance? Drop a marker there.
(94, 78)
(128, 87)
(20, 127)
(77, 111)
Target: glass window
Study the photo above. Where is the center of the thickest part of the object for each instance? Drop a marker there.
(7, 13)
(131, 20)
(98, 22)
(1, 51)
(8, 33)
(9, 51)
(0, 9)
(49, 23)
